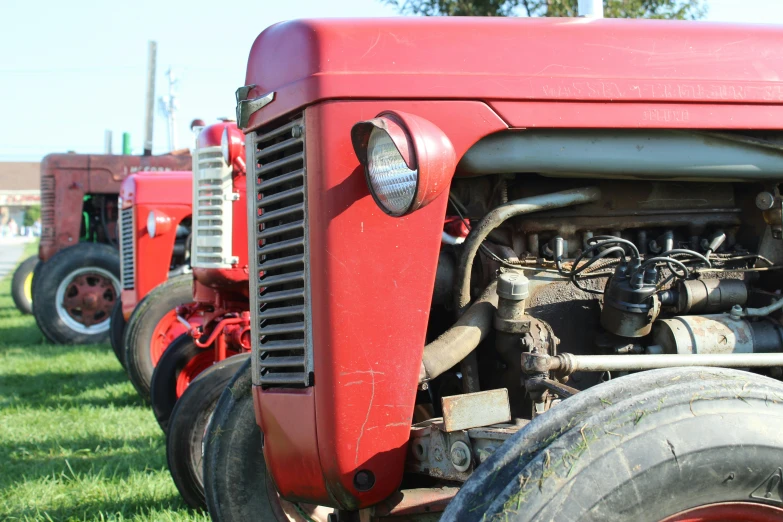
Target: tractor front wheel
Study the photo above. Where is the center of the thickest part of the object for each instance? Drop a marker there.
(188, 424)
(22, 285)
(236, 483)
(74, 293)
(695, 444)
(179, 365)
(117, 332)
(152, 327)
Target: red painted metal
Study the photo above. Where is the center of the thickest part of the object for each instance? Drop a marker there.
(730, 512)
(165, 193)
(192, 369)
(372, 275)
(89, 298)
(648, 62)
(67, 178)
(167, 329)
(364, 397)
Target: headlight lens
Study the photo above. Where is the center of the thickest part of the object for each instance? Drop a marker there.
(151, 224)
(391, 181)
(225, 147)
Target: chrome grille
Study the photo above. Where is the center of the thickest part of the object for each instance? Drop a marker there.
(212, 200)
(282, 352)
(127, 257)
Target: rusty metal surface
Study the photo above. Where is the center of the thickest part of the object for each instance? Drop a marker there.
(471, 410)
(415, 501)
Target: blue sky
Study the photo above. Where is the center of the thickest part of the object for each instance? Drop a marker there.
(71, 69)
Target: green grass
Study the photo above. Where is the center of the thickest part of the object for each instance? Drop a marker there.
(76, 442)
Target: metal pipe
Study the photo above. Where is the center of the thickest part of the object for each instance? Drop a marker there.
(647, 154)
(566, 364)
(150, 111)
(500, 214)
(761, 312)
(460, 340)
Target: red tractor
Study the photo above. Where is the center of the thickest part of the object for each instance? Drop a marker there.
(207, 310)
(576, 355)
(154, 237)
(77, 277)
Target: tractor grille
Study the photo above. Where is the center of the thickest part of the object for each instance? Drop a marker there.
(48, 230)
(212, 199)
(127, 254)
(282, 351)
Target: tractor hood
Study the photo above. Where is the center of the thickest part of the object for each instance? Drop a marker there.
(495, 59)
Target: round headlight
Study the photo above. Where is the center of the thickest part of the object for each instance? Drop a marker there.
(151, 224)
(392, 183)
(225, 146)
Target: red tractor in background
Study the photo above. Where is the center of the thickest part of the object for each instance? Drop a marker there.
(182, 404)
(154, 238)
(76, 282)
(210, 307)
(575, 357)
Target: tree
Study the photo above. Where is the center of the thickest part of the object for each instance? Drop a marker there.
(31, 215)
(671, 9)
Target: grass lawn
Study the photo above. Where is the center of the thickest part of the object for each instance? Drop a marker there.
(76, 442)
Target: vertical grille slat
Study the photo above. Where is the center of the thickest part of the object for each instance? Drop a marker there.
(212, 214)
(127, 249)
(282, 352)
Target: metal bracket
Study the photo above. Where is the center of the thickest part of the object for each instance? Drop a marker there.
(246, 108)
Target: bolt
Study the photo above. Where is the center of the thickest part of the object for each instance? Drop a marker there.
(296, 131)
(364, 480)
(764, 200)
(736, 311)
(459, 457)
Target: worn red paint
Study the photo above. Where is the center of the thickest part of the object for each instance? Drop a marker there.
(167, 193)
(67, 178)
(372, 275)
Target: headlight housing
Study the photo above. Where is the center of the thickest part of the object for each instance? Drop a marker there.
(408, 161)
(225, 147)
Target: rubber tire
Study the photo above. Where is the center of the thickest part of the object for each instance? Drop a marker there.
(641, 447)
(188, 424)
(27, 267)
(163, 390)
(138, 332)
(236, 483)
(48, 277)
(117, 332)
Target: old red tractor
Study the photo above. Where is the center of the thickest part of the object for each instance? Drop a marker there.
(154, 237)
(76, 282)
(208, 309)
(620, 181)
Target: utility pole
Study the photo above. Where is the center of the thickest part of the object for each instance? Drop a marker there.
(168, 107)
(151, 64)
(107, 145)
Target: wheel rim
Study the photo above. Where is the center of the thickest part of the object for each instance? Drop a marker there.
(28, 287)
(167, 329)
(84, 299)
(729, 512)
(193, 368)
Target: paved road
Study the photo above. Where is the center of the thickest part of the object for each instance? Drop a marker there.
(10, 254)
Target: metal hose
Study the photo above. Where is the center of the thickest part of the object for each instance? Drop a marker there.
(494, 218)
(460, 340)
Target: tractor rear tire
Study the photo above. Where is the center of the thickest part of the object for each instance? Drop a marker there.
(117, 332)
(74, 291)
(143, 348)
(163, 390)
(188, 425)
(649, 447)
(22, 285)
